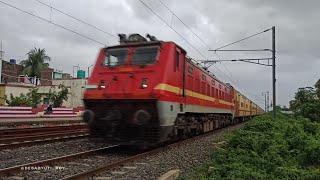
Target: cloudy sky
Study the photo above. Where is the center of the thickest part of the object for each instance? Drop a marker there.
(216, 22)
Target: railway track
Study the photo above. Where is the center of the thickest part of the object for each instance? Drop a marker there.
(14, 169)
(16, 137)
(94, 169)
(109, 166)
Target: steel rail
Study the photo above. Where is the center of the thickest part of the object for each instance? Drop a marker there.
(113, 165)
(41, 129)
(13, 169)
(42, 141)
(41, 134)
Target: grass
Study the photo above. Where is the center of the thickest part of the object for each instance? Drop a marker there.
(284, 148)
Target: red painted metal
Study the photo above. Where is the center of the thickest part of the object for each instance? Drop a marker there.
(124, 82)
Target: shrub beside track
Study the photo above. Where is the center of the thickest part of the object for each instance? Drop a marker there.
(284, 148)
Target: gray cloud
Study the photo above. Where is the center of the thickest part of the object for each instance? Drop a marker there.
(217, 22)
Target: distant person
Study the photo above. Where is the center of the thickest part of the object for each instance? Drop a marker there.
(49, 109)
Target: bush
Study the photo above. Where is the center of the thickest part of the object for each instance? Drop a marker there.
(57, 98)
(283, 148)
(32, 98)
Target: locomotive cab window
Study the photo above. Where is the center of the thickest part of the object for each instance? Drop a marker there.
(116, 57)
(144, 56)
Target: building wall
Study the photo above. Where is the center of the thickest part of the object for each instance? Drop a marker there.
(46, 76)
(77, 87)
(15, 90)
(10, 72)
(2, 93)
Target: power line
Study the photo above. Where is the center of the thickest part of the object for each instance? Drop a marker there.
(234, 81)
(227, 74)
(232, 50)
(242, 39)
(50, 22)
(148, 7)
(75, 18)
(188, 27)
(182, 36)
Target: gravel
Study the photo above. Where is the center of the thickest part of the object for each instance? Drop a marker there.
(74, 167)
(23, 155)
(184, 157)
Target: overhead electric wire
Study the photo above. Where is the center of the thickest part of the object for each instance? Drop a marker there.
(150, 9)
(228, 76)
(228, 73)
(188, 27)
(241, 39)
(77, 19)
(179, 33)
(50, 22)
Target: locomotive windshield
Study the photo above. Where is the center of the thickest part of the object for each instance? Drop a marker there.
(116, 57)
(144, 55)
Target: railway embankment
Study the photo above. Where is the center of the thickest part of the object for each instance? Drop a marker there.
(286, 147)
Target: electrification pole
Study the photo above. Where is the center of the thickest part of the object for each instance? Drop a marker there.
(265, 102)
(274, 71)
(259, 61)
(268, 104)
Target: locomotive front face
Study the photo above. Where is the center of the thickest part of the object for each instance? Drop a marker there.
(120, 102)
(123, 121)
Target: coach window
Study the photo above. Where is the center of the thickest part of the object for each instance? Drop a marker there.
(116, 57)
(190, 70)
(144, 55)
(212, 92)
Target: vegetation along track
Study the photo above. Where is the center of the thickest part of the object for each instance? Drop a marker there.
(15, 137)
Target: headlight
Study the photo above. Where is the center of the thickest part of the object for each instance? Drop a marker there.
(144, 83)
(102, 85)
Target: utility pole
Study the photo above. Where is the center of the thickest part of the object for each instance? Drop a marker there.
(268, 104)
(265, 102)
(274, 71)
(1, 59)
(259, 61)
(1, 52)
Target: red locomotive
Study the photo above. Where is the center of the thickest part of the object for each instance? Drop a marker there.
(146, 92)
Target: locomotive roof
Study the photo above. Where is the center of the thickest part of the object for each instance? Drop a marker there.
(152, 43)
(201, 68)
(136, 44)
(145, 43)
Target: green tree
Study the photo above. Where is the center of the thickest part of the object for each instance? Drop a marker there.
(36, 61)
(57, 98)
(32, 98)
(307, 103)
(21, 100)
(317, 86)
